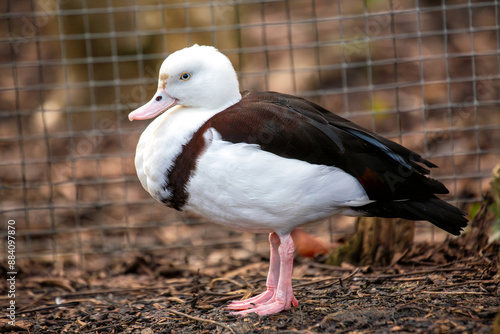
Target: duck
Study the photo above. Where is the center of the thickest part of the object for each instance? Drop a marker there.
(268, 162)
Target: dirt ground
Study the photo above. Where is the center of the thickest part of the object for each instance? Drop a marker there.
(452, 287)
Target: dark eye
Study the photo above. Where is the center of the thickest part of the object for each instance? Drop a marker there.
(158, 98)
(185, 76)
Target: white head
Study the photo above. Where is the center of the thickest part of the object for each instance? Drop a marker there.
(197, 77)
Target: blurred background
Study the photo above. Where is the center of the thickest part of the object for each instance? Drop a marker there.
(423, 73)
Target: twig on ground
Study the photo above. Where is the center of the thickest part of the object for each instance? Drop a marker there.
(422, 272)
(201, 319)
(341, 279)
(454, 292)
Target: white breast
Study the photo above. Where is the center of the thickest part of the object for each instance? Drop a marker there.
(241, 186)
(161, 142)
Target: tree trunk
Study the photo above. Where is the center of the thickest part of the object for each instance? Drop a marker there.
(377, 241)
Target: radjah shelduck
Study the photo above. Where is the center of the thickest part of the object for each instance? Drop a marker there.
(269, 162)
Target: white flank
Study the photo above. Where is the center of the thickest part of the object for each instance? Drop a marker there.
(243, 187)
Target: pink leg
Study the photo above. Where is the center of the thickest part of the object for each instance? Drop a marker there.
(272, 279)
(283, 297)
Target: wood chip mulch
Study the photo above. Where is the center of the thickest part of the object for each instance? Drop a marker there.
(431, 289)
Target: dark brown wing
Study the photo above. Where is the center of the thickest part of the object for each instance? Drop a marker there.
(295, 128)
(392, 175)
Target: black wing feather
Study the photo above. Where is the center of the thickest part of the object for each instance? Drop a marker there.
(295, 128)
(392, 175)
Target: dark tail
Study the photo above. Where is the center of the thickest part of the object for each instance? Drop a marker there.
(443, 215)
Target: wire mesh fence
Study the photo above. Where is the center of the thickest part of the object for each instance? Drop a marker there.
(423, 73)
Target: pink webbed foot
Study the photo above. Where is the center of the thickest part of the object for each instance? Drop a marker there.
(274, 305)
(251, 302)
(279, 295)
